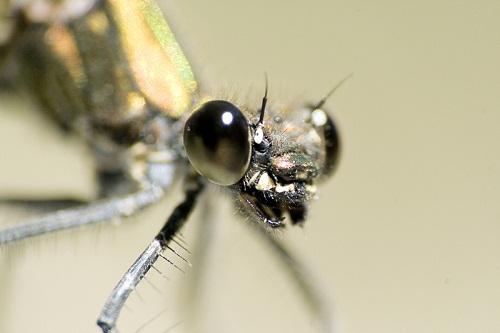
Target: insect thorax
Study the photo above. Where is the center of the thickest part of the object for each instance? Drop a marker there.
(112, 72)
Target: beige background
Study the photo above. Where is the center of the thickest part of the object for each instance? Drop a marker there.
(403, 239)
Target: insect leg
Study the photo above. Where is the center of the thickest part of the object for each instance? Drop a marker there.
(305, 282)
(115, 302)
(92, 213)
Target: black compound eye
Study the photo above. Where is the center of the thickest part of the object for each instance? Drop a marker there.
(218, 142)
(321, 120)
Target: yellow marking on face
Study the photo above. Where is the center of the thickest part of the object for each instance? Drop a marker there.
(265, 182)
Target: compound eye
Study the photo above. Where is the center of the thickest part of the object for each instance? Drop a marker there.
(218, 142)
(321, 120)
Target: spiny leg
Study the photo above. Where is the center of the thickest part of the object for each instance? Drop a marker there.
(94, 213)
(305, 282)
(115, 302)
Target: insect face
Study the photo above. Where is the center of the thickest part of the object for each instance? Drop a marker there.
(270, 163)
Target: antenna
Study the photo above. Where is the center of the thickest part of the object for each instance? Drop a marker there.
(330, 93)
(264, 102)
(259, 133)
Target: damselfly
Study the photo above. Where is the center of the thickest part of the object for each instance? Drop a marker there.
(113, 72)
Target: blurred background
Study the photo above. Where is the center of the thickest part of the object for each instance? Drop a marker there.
(404, 238)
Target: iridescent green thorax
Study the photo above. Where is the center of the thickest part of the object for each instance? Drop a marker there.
(111, 67)
(158, 65)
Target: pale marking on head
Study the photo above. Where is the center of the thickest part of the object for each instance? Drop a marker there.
(318, 117)
(258, 137)
(265, 182)
(285, 188)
